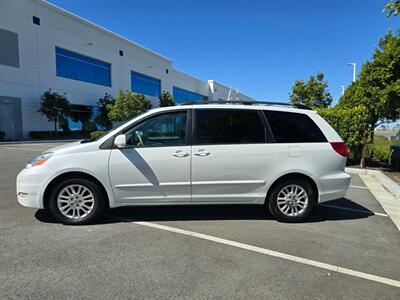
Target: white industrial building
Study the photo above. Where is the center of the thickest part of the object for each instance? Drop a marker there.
(45, 47)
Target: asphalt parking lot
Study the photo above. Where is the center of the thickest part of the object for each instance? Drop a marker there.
(196, 252)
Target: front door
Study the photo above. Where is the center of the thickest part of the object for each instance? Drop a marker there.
(155, 166)
(231, 161)
(10, 117)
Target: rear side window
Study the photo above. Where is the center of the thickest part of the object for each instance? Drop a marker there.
(229, 126)
(290, 127)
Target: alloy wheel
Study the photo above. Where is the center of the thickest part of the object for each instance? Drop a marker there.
(75, 201)
(292, 200)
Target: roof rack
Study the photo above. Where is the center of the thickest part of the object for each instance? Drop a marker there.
(246, 102)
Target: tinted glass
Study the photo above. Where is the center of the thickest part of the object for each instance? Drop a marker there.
(229, 126)
(293, 128)
(159, 131)
(181, 95)
(9, 53)
(145, 85)
(83, 68)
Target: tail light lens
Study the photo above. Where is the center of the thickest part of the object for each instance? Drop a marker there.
(340, 148)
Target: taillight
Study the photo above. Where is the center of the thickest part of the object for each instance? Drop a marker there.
(340, 148)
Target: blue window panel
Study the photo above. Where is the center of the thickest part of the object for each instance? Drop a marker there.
(181, 95)
(145, 85)
(74, 125)
(83, 68)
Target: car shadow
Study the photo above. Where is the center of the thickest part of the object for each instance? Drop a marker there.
(220, 213)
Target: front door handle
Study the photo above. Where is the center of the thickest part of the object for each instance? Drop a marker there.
(202, 152)
(180, 153)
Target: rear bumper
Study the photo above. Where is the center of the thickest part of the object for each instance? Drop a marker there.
(333, 186)
(30, 185)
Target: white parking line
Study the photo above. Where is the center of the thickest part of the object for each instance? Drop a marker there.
(355, 210)
(358, 187)
(281, 255)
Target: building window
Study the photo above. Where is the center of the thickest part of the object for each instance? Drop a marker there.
(145, 85)
(36, 20)
(83, 68)
(82, 118)
(121, 53)
(9, 50)
(181, 95)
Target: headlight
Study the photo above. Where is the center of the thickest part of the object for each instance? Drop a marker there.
(40, 160)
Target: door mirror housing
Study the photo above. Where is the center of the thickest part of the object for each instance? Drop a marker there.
(120, 141)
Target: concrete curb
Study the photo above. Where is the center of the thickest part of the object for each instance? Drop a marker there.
(386, 199)
(388, 183)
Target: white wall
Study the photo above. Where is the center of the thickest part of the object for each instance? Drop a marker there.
(37, 71)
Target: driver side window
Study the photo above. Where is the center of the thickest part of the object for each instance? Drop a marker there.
(160, 131)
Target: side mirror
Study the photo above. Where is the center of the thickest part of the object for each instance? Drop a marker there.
(120, 141)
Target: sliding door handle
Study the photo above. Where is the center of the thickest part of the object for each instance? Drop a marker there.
(180, 153)
(202, 152)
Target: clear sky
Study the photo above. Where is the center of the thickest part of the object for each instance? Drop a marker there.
(259, 47)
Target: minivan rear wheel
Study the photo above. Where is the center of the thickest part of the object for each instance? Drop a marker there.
(292, 201)
(76, 201)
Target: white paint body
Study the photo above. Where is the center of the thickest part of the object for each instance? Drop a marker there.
(208, 174)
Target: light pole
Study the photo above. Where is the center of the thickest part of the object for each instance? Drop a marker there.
(354, 70)
(342, 86)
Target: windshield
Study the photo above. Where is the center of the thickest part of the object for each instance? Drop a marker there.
(95, 138)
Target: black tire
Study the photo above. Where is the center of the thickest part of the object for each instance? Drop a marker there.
(280, 215)
(98, 203)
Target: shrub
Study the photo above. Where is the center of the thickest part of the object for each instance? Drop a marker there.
(95, 134)
(2, 135)
(378, 153)
(351, 124)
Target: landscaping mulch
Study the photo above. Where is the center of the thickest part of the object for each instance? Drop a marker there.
(395, 176)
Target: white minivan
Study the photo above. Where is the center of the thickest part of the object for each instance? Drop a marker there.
(287, 158)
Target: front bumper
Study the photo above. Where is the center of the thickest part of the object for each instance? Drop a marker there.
(333, 186)
(31, 184)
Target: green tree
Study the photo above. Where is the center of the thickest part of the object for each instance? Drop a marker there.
(378, 85)
(166, 99)
(85, 119)
(54, 106)
(63, 124)
(127, 105)
(89, 126)
(313, 93)
(392, 8)
(102, 118)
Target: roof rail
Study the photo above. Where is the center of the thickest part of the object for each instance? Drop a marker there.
(246, 102)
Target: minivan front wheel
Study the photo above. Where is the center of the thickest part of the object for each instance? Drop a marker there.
(76, 201)
(291, 201)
